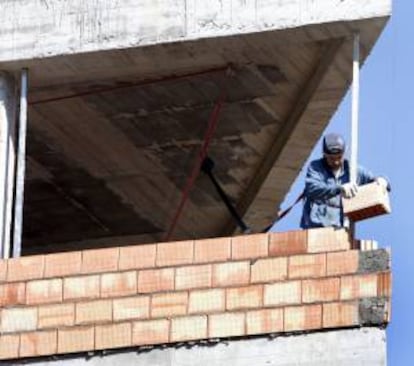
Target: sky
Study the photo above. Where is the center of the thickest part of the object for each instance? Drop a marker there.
(386, 134)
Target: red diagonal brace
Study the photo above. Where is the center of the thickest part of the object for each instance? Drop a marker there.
(212, 124)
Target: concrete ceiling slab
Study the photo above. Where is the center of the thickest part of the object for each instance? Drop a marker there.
(114, 133)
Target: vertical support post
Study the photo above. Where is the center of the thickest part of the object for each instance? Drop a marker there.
(355, 111)
(7, 159)
(20, 166)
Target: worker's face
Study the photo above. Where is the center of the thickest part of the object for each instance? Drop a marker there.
(334, 161)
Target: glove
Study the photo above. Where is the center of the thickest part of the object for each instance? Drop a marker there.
(382, 182)
(349, 190)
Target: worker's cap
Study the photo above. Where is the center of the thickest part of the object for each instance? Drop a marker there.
(333, 143)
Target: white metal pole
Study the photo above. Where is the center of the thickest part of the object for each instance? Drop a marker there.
(7, 159)
(20, 167)
(355, 111)
(4, 131)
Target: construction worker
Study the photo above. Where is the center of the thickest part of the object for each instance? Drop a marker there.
(328, 179)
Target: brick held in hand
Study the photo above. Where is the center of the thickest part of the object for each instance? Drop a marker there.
(371, 200)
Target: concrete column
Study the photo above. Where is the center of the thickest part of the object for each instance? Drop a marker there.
(8, 104)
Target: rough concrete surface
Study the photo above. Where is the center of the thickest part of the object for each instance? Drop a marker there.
(372, 311)
(353, 347)
(374, 261)
(34, 28)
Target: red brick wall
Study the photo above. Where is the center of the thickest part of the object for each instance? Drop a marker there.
(181, 291)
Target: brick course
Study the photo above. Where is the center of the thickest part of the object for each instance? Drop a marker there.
(230, 274)
(63, 264)
(151, 332)
(207, 301)
(155, 280)
(44, 291)
(59, 315)
(175, 253)
(188, 328)
(12, 294)
(76, 339)
(249, 246)
(25, 268)
(193, 277)
(192, 290)
(38, 343)
(113, 336)
(85, 287)
(307, 266)
(100, 260)
(212, 250)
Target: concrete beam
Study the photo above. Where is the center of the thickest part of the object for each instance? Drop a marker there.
(36, 29)
(353, 347)
(292, 121)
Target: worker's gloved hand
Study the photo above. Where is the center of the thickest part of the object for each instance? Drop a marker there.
(382, 182)
(349, 190)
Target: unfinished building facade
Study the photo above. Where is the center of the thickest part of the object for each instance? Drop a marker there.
(122, 242)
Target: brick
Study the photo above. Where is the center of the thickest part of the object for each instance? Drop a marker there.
(137, 257)
(131, 308)
(250, 246)
(25, 268)
(171, 304)
(38, 343)
(388, 311)
(226, 325)
(365, 245)
(3, 270)
(188, 328)
(81, 288)
(371, 200)
(156, 280)
(307, 266)
(340, 314)
(93, 312)
(212, 250)
(384, 284)
(113, 336)
(193, 277)
(267, 270)
(328, 240)
(354, 287)
(207, 301)
(174, 253)
(229, 274)
(44, 291)
(9, 346)
(77, 339)
(244, 297)
(264, 321)
(100, 260)
(288, 243)
(52, 316)
(118, 284)
(18, 319)
(324, 290)
(150, 332)
(63, 264)
(342, 262)
(283, 293)
(12, 294)
(301, 318)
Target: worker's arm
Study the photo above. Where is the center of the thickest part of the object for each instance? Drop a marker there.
(365, 176)
(316, 186)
